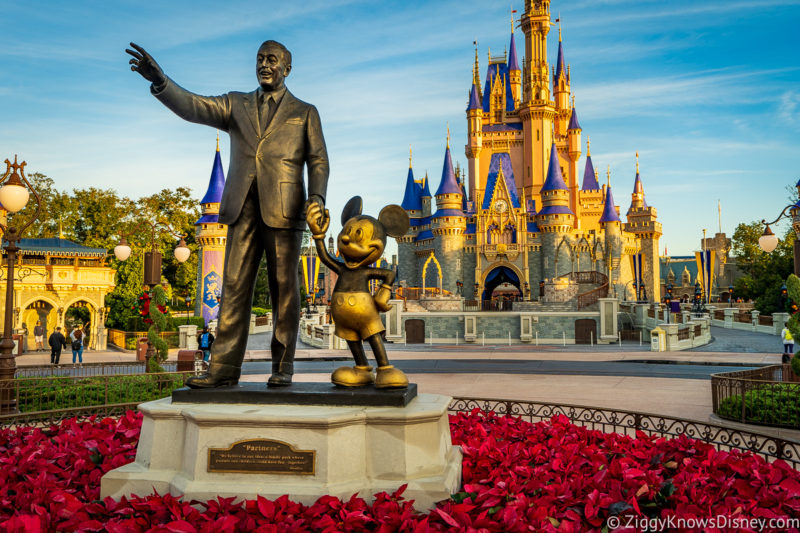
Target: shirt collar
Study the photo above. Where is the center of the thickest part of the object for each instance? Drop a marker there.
(276, 95)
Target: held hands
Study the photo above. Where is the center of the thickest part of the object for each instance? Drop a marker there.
(145, 65)
(317, 219)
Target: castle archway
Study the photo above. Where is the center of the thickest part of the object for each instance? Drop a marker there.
(39, 310)
(501, 282)
(84, 313)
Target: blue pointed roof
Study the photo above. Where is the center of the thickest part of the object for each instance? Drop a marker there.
(555, 180)
(474, 101)
(492, 71)
(464, 197)
(513, 64)
(637, 185)
(217, 182)
(560, 69)
(501, 159)
(589, 179)
(424, 190)
(449, 184)
(411, 199)
(573, 121)
(609, 209)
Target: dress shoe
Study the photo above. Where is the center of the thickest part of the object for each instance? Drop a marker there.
(390, 377)
(217, 376)
(279, 379)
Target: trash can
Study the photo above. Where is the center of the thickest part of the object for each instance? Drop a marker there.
(658, 340)
(187, 358)
(141, 349)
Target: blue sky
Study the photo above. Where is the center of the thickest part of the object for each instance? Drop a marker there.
(708, 92)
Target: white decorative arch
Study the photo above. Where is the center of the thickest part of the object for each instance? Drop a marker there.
(431, 257)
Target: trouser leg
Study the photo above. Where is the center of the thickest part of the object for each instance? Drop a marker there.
(282, 247)
(243, 251)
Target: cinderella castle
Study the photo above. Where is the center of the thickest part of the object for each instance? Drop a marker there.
(528, 213)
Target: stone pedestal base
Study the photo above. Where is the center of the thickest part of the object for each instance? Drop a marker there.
(356, 449)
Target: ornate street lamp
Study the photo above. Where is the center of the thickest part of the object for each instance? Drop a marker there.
(152, 259)
(188, 300)
(730, 295)
(769, 241)
(13, 196)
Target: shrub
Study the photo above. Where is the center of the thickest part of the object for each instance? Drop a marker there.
(260, 311)
(45, 394)
(775, 404)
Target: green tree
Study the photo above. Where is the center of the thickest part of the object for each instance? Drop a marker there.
(764, 273)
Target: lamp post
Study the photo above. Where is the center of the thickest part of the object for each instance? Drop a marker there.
(769, 241)
(152, 258)
(188, 300)
(13, 197)
(730, 295)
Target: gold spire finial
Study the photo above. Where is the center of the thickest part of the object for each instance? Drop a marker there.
(637, 161)
(559, 26)
(409, 156)
(448, 135)
(512, 18)
(608, 176)
(573, 101)
(60, 227)
(217, 141)
(489, 54)
(476, 69)
(588, 146)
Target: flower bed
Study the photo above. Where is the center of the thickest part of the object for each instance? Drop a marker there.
(518, 476)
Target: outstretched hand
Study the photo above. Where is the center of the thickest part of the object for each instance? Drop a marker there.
(145, 65)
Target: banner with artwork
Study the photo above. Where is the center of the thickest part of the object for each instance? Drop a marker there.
(636, 268)
(705, 271)
(310, 273)
(213, 261)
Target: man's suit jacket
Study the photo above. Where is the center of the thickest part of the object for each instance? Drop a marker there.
(273, 157)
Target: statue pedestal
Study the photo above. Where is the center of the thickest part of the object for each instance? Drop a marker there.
(205, 450)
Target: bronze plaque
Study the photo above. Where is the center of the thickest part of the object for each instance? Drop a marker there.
(262, 456)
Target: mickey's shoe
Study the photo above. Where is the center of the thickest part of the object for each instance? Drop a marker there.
(390, 377)
(356, 376)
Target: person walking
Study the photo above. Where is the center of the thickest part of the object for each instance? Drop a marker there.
(38, 335)
(77, 345)
(788, 345)
(204, 342)
(56, 342)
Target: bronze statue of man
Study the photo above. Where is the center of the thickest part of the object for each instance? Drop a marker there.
(273, 135)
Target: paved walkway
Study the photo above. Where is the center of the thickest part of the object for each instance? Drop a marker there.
(623, 376)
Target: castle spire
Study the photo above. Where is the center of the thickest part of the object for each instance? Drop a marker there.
(637, 197)
(449, 184)
(474, 99)
(589, 173)
(513, 64)
(555, 180)
(573, 120)
(217, 181)
(412, 199)
(476, 70)
(609, 209)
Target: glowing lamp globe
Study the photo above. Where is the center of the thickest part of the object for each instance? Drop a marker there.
(122, 250)
(182, 252)
(768, 241)
(13, 197)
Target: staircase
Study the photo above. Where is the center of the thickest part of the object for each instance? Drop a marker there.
(590, 277)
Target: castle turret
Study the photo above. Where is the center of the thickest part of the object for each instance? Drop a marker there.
(211, 237)
(574, 153)
(425, 195)
(589, 174)
(407, 269)
(449, 223)
(555, 219)
(535, 24)
(474, 136)
(643, 223)
(561, 90)
(514, 73)
(612, 226)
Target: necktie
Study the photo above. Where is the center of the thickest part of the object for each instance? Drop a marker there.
(266, 110)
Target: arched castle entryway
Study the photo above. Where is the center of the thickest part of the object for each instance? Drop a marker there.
(82, 312)
(501, 275)
(39, 310)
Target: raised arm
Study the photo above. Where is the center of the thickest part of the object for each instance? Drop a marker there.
(318, 223)
(214, 111)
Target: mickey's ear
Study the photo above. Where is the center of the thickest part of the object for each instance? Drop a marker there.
(394, 219)
(351, 209)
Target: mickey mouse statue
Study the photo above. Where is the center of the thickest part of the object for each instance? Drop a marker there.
(353, 308)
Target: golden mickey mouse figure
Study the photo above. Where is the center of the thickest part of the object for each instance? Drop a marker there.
(353, 308)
